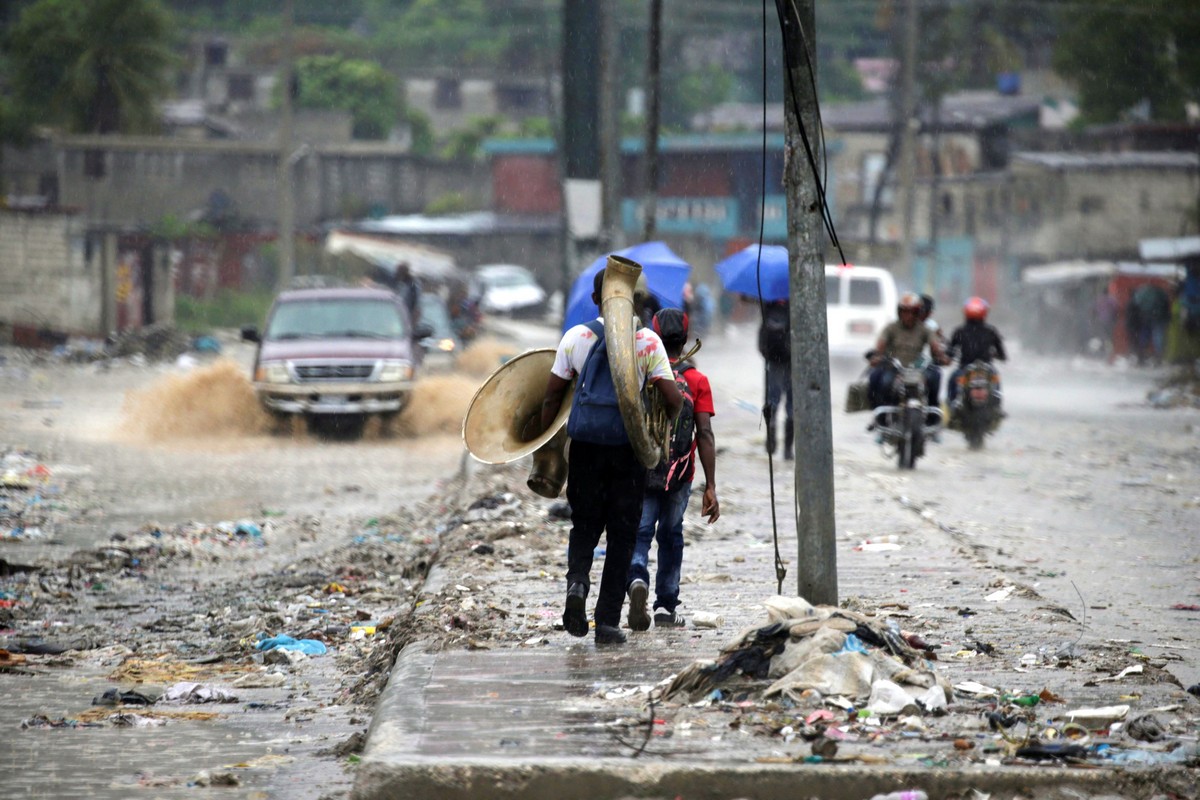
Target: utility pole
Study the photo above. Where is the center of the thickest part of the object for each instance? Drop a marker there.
(287, 207)
(908, 144)
(816, 563)
(610, 132)
(653, 73)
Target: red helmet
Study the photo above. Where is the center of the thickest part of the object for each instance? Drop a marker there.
(976, 308)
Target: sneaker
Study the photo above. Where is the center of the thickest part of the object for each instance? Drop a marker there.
(575, 616)
(668, 619)
(609, 634)
(639, 620)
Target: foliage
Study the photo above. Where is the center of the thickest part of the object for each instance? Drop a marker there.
(421, 130)
(465, 144)
(1130, 53)
(234, 15)
(361, 87)
(685, 95)
(173, 227)
(449, 203)
(99, 66)
(463, 33)
(227, 309)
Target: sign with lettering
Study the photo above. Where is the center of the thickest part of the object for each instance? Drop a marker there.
(714, 216)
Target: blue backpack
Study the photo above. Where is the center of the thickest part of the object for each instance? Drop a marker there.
(595, 414)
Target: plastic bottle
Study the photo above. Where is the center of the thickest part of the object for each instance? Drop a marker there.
(907, 794)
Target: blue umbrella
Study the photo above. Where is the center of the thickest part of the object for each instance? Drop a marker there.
(665, 272)
(740, 272)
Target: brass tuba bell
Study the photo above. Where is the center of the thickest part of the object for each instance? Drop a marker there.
(504, 421)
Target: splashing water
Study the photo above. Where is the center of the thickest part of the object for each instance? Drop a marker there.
(484, 356)
(209, 402)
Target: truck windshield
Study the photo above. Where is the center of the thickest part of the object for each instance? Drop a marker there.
(324, 319)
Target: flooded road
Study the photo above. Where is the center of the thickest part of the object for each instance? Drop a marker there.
(1086, 495)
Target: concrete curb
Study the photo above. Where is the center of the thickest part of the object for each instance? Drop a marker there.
(609, 779)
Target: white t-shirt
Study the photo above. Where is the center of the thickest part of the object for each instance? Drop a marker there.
(650, 355)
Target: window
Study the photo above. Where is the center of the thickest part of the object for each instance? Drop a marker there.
(215, 53)
(865, 292)
(94, 164)
(517, 98)
(448, 94)
(832, 284)
(1091, 204)
(241, 87)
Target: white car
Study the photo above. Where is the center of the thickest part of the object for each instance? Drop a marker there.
(509, 289)
(859, 302)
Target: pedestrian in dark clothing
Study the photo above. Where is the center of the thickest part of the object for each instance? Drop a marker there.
(606, 483)
(405, 285)
(775, 346)
(974, 340)
(1147, 314)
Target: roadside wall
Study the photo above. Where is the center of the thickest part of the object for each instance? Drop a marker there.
(47, 281)
(128, 181)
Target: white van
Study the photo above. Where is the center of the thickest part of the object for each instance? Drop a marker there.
(859, 302)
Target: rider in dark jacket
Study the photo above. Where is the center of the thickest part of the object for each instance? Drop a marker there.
(974, 340)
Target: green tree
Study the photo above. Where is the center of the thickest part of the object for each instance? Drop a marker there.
(361, 87)
(97, 66)
(1123, 53)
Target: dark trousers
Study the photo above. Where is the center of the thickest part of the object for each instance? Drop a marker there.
(605, 487)
(778, 386)
(879, 384)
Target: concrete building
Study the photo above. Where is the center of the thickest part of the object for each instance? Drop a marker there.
(60, 278)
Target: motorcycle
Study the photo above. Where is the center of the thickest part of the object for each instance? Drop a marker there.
(976, 410)
(908, 424)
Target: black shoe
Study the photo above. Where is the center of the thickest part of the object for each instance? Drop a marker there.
(668, 619)
(609, 634)
(575, 616)
(639, 620)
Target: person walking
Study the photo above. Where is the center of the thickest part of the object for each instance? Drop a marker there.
(606, 483)
(775, 346)
(669, 486)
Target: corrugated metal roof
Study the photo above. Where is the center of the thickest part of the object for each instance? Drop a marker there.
(1169, 249)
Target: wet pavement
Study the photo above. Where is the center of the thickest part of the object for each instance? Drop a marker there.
(534, 713)
(1051, 563)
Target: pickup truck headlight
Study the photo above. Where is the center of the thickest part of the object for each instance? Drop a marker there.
(393, 371)
(272, 372)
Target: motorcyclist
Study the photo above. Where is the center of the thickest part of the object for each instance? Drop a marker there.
(974, 340)
(904, 340)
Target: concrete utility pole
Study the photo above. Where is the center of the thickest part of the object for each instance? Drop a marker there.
(610, 130)
(653, 72)
(816, 565)
(287, 208)
(908, 143)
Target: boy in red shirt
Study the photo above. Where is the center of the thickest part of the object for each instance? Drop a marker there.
(670, 484)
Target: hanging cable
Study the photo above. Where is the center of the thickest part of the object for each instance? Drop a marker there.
(819, 179)
(780, 568)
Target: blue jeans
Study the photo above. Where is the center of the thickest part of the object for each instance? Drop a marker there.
(662, 520)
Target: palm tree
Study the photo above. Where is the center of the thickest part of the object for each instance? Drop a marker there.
(99, 66)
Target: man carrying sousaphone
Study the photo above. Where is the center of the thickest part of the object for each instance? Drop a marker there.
(606, 480)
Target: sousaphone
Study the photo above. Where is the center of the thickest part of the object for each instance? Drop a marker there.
(503, 422)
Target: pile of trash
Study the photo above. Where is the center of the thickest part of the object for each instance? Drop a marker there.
(30, 504)
(846, 682)
(158, 342)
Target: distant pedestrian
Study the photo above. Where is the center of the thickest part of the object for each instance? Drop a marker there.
(775, 346)
(1147, 315)
(669, 486)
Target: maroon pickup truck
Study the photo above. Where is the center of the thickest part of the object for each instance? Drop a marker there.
(336, 356)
